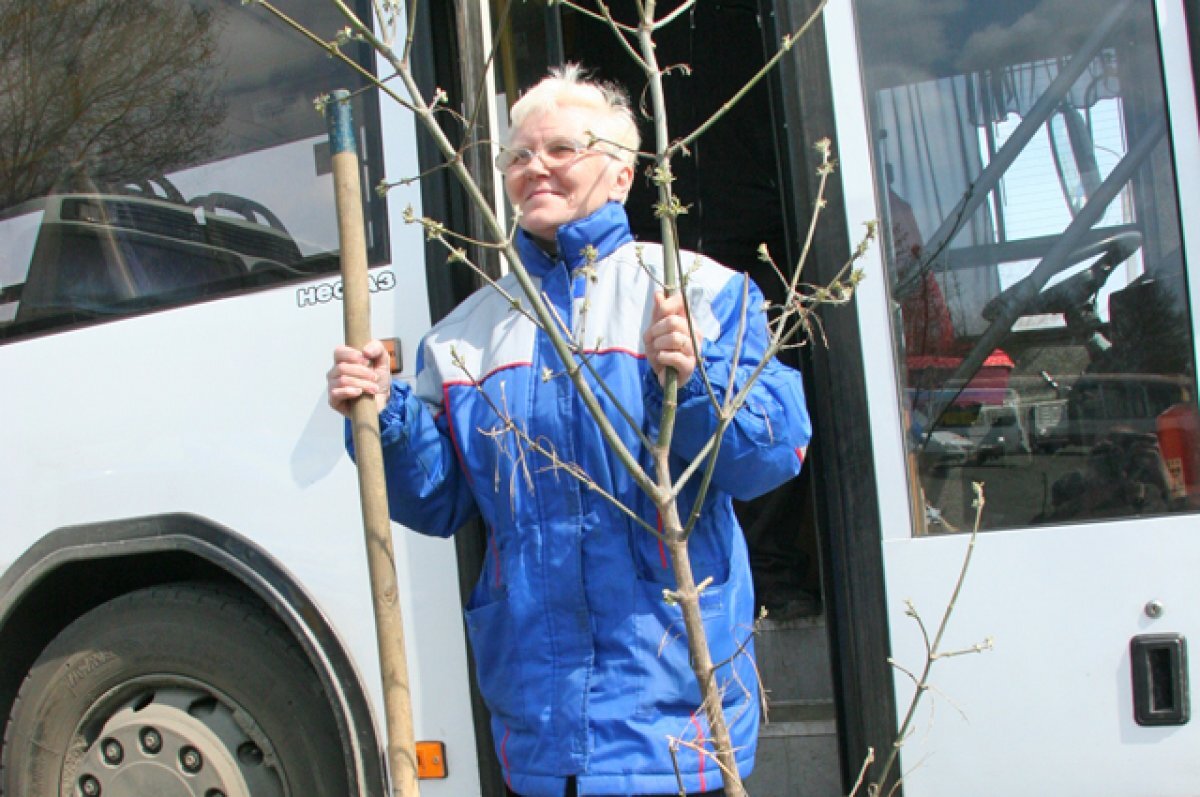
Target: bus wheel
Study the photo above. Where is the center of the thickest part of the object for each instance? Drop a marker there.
(173, 691)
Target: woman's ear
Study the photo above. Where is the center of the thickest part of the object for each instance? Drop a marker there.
(622, 182)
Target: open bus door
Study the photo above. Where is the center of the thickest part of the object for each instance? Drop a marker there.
(1031, 164)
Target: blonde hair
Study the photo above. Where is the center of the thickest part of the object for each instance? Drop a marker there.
(568, 86)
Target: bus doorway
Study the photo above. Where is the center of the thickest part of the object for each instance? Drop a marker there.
(739, 192)
(1030, 327)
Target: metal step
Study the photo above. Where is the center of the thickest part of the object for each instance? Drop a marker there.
(793, 659)
(801, 717)
(797, 752)
(798, 741)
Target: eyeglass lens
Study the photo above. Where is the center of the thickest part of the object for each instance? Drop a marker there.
(556, 153)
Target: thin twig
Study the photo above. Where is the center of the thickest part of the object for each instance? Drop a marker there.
(784, 46)
(862, 771)
(671, 17)
(556, 463)
(333, 50)
(933, 652)
(597, 17)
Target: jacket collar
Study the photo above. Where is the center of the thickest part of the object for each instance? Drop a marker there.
(607, 229)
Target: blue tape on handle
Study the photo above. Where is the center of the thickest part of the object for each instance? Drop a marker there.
(341, 123)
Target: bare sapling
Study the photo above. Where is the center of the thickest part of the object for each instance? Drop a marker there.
(884, 782)
(793, 322)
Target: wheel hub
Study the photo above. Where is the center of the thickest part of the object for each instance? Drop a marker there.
(177, 742)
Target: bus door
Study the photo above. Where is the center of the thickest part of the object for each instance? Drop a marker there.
(1037, 278)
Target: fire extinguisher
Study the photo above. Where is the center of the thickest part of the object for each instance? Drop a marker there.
(1179, 440)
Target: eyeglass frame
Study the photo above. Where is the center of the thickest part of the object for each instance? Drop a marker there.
(505, 164)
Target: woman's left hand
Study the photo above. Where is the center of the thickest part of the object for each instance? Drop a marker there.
(668, 341)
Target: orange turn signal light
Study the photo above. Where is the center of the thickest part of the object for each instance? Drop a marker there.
(392, 345)
(431, 760)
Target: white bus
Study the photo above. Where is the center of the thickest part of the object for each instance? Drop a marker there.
(184, 603)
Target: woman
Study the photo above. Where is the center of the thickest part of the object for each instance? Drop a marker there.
(580, 660)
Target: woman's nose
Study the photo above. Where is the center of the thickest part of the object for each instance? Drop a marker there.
(537, 165)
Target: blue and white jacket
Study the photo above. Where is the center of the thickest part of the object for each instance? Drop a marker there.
(581, 662)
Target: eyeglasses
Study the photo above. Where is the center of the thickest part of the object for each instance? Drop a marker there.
(555, 153)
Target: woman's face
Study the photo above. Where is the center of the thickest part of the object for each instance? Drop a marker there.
(550, 196)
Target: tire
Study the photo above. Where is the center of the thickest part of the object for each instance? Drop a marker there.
(173, 691)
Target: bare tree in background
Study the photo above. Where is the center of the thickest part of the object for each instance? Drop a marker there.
(102, 91)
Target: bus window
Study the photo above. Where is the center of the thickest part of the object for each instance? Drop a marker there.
(174, 155)
(1035, 264)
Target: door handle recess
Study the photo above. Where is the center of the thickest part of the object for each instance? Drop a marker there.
(1160, 679)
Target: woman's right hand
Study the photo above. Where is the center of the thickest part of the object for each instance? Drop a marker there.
(357, 372)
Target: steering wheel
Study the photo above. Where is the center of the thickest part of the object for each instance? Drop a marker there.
(1074, 297)
(1078, 290)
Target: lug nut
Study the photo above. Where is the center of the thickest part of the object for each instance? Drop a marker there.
(89, 786)
(191, 760)
(151, 740)
(112, 751)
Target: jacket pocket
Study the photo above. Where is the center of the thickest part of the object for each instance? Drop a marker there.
(498, 661)
(669, 686)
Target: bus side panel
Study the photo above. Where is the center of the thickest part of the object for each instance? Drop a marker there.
(219, 409)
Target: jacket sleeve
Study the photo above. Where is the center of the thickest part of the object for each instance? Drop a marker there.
(427, 490)
(764, 446)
